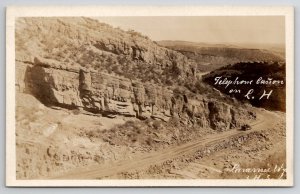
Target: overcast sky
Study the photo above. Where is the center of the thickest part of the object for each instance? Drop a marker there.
(207, 29)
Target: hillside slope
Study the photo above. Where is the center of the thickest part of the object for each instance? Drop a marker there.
(85, 42)
(213, 56)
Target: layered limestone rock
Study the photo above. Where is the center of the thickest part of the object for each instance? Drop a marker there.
(95, 92)
(73, 63)
(110, 95)
(219, 115)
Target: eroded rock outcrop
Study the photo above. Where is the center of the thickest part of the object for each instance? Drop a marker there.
(81, 63)
(111, 95)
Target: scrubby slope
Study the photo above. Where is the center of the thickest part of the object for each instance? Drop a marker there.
(84, 42)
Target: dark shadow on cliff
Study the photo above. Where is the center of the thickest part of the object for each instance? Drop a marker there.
(38, 83)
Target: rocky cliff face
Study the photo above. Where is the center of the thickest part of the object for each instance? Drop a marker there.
(79, 63)
(110, 95)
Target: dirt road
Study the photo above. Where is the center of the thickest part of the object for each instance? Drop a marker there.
(265, 119)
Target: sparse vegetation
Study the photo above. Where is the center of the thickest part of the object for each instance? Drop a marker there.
(101, 118)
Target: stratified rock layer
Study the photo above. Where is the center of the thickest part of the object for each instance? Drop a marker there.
(112, 95)
(74, 63)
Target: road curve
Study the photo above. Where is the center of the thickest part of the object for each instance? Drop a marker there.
(265, 120)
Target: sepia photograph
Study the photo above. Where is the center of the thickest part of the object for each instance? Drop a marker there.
(107, 99)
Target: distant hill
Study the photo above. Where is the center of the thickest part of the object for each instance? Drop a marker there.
(213, 56)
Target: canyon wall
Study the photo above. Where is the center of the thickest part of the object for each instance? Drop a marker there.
(112, 95)
(81, 63)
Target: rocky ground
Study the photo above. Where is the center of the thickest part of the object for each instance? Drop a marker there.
(52, 142)
(262, 149)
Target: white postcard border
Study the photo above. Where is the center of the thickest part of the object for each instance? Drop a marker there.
(97, 11)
